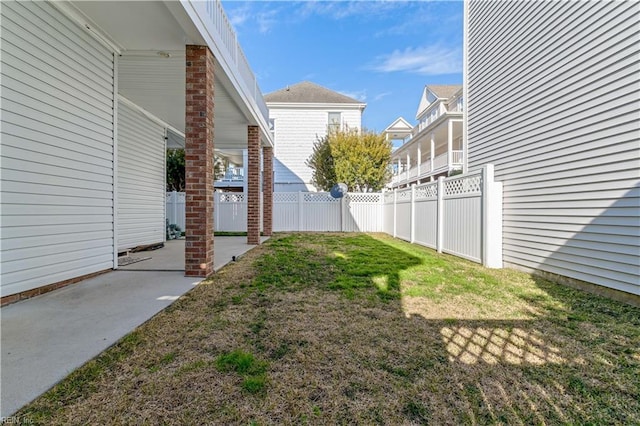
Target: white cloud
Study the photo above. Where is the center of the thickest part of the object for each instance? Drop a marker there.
(381, 95)
(239, 16)
(360, 95)
(429, 60)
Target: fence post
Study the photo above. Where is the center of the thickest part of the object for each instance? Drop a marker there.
(343, 214)
(491, 219)
(395, 214)
(380, 216)
(216, 211)
(412, 234)
(440, 209)
(300, 211)
(174, 201)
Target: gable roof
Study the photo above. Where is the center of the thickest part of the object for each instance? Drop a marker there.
(399, 125)
(399, 129)
(432, 93)
(444, 91)
(307, 92)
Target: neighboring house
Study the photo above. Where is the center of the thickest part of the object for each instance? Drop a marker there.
(92, 93)
(301, 114)
(553, 101)
(435, 146)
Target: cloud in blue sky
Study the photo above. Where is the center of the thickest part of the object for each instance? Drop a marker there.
(427, 60)
(379, 52)
(360, 95)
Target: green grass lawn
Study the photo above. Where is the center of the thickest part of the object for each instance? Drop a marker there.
(364, 329)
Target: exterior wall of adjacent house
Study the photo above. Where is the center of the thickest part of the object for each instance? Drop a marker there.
(141, 195)
(296, 130)
(567, 148)
(57, 149)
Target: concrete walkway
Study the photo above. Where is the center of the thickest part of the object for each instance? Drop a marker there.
(45, 338)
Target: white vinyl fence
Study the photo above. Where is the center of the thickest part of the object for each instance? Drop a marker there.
(292, 211)
(460, 215)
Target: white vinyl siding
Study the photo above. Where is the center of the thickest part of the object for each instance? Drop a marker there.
(57, 149)
(567, 148)
(141, 179)
(297, 131)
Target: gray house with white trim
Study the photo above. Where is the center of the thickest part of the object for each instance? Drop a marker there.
(564, 135)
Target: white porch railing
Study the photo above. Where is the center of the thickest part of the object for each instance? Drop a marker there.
(439, 164)
(440, 161)
(212, 15)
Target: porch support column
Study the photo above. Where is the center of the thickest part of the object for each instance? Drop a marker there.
(267, 190)
(433, 151)
(199, 161)
(419, 158)
(449, 145)
(253, 185)
(408, 165)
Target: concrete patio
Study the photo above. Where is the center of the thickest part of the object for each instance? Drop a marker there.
(45, 338)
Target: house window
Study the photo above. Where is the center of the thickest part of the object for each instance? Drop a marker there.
(334, 121)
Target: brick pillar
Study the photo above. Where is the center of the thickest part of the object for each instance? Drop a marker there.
(253, 186)
(267, 190)
(199, 161)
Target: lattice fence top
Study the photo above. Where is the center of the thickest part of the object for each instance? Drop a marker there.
(232, 198)
(463, 185)
(319, 197)
(403, 195)
(364, 198)
(388, 197)
(428, 190)
(285, 197)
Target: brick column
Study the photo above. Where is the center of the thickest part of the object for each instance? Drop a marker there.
(267, 190)
(253, 185)
(199, 161)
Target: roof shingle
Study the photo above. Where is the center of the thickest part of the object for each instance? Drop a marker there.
(444, 91)
(307, 92)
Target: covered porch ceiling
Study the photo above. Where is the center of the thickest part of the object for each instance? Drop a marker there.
(151, 37)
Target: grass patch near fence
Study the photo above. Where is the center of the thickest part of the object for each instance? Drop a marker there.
(364, 329)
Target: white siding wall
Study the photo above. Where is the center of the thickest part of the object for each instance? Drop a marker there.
(568, 146)
(296, 131)
(57, 149)
(141, 179)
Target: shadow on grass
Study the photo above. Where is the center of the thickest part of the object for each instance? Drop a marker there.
(568, 361)
(362, 329)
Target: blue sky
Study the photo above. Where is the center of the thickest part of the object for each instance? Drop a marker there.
(379, 52)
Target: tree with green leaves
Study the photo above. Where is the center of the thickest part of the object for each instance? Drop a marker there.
(176, 180)
(175, 170)
(360, 159)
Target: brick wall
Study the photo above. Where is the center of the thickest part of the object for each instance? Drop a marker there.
(267, 190)
(199, 161)
(253, 185)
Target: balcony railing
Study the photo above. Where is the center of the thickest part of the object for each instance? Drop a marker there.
(233, 175)
(440, 164)
(217, 23)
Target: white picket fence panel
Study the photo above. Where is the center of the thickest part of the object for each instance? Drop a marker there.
(460, 215)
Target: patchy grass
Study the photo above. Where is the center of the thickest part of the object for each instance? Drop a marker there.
(365, 329)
